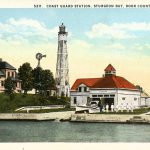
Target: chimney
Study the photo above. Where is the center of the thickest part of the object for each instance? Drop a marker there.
(1, 60)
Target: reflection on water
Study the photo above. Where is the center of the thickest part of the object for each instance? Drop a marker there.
(47, 131)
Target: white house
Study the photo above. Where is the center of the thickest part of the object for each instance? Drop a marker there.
(145, 99)
(112, 89)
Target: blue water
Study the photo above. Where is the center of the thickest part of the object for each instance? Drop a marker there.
(49, 131)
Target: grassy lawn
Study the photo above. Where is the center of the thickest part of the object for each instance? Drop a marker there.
(8, 106)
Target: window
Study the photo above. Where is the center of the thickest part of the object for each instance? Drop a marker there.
(108, 72)
(13, 74)
(123, 98)
(135, 98)
(95, 99)
(80, 89)
(112, 95)
(75, 100)
(65, 42)
(2, 83)
(85, 89)
(94, 95)
(106, 95)
(8, 74)
(100, 95)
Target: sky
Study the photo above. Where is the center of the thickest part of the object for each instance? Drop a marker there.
(96, 38)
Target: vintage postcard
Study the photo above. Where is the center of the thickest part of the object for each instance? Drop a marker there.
(74, 74)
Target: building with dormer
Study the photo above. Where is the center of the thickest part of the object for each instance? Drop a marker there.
(7, 70)
(111, 88)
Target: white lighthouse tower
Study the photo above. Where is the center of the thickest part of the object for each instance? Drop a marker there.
(62, 70)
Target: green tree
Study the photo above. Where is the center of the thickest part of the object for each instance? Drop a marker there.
(47, 81)
(43, 80)
(140, 88)
(10, 86)
(37, 72)
(25, 74)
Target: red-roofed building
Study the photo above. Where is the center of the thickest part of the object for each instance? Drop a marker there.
(111, 88)
(109, 70)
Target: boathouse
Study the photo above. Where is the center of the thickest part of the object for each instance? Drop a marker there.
(111, 89)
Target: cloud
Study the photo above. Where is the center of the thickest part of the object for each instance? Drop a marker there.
(114, 46)
(134, 26)
(26, 30)
(84, 50)
(117, 30)
(80, 45)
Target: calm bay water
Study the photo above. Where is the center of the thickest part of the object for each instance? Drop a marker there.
(48, 131)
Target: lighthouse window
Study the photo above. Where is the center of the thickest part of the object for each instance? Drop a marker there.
(135, 98)
(123, 98)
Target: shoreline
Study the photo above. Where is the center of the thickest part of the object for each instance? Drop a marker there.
(52, 116)
(78, 118)
(105, 118)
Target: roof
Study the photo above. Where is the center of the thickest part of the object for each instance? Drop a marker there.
(113, 82)
(15, 79)
(6, 65)
(105, 82)
(87, 81)
(1, 73)
(145, 95)
(110, 68)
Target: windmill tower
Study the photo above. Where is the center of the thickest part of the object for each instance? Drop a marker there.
(62, 70)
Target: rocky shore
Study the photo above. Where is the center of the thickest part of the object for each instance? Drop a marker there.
(71, 116)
